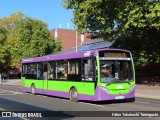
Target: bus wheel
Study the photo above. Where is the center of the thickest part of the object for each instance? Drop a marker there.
(73, 95)
(33, 89)
(132, 99)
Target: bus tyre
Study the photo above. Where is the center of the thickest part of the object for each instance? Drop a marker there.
(132, 99)
(33, 90)
(73, 95)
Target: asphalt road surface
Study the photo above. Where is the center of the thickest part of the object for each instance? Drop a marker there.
(13, 99)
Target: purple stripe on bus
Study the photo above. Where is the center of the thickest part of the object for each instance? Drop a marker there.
(100, 95)
(66, 55)
(56, 57)
(26, 89)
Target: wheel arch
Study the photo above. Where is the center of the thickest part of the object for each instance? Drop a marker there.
(72, 88)
(32, 84)
(34, 87)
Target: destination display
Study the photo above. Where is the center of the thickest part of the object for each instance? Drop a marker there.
(113, 54)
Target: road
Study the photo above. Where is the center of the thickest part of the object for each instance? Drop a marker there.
(13, 99)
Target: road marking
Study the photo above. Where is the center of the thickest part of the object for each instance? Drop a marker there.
(2, 90)
(82, 103)
(142, 102)
(92, 104)
(2, 109)
(9, 92)
(24, 118)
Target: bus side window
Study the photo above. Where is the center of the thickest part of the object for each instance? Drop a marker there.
(39, 70)
(62, 67)
(51, 70)
(45, 73)
(74, 67)
(29, 71)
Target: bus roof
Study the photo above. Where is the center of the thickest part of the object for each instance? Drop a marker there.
(69, 55)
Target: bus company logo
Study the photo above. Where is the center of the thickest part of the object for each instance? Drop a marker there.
(27, 60)
(87, 54)
(119, 87)
(6, 114)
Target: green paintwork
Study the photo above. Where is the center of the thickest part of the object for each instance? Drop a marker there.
(87, 88)
(116, 88)
(82, 87)
(64, 86)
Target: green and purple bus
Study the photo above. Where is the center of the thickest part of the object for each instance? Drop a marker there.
(93, 75)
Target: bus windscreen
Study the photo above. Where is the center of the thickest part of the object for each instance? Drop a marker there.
(115, 66)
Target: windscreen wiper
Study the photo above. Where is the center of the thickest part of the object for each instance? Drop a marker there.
(126, 81)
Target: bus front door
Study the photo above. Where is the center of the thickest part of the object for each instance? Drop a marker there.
(88, 77)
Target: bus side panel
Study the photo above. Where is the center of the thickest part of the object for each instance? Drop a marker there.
(23, 81)
(27, 83)
(65, 86)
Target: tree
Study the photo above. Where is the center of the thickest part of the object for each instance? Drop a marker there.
(102, 16)
(96, 16)
(22, 37)
(126, 22)
(35, 38)
(3, 48)
(12, 42)
(58, 44)
(144, 44)
(141, 32)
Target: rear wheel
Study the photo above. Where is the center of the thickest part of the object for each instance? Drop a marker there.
(73, 95)
(33, 89)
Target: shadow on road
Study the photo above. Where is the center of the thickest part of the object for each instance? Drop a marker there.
(110, 101)
(13, 106)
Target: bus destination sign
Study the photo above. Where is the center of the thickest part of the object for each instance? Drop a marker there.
(115, 55)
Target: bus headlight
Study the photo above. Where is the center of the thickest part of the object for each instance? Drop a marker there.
(105, 90)
(132, 88)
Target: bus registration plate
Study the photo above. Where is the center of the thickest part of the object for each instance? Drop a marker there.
(119, 97)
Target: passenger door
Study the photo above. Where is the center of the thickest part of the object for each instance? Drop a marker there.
(88, 75)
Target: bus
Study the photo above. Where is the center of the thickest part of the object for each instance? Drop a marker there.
(91, 75)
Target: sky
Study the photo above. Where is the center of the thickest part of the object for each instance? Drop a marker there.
(49, 11)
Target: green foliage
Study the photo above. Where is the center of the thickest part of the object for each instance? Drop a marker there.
(3, 48)
(35, 38)
(22, 37)
(132, 24)
(102, 16)
(145, 13)
(11, 43)
(58, 45)
(144, 44)
(96, 16)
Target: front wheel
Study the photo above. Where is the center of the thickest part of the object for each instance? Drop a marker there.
(73, 95)
(132, 99)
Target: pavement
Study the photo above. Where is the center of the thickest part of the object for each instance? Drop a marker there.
(12, 82)
(148, 91)
(142, 90)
